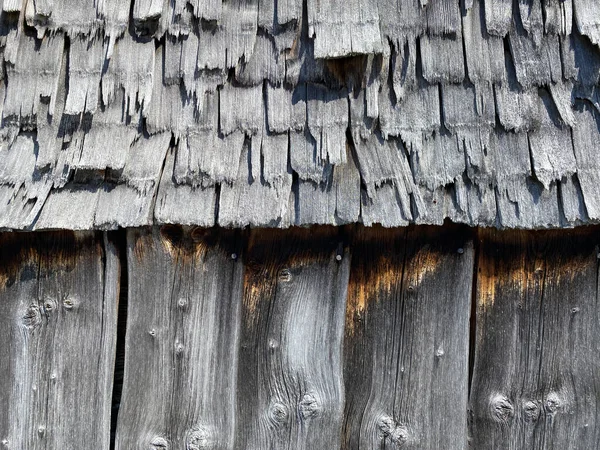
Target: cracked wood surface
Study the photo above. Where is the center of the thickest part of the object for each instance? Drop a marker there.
(321, 337)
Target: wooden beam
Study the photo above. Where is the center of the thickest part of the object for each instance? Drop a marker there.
(407, 338)
(179, 389)
(58, 303)
(291, 390)
(536, 381)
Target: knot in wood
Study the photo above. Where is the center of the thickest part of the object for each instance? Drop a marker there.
(531, 411)
(178, 348)
(501, 409)
(309, 406)
(70, 303)
(197, 439)
(159, 443)
(393, 431)
(41, 429)
(439, 352)
(32, 317)
(553, 403)
(285, 275)
(278, 413)
(50, 305)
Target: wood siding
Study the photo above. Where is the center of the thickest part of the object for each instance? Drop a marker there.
(320, 338)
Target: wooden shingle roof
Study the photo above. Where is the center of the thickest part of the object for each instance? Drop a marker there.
(284, 112)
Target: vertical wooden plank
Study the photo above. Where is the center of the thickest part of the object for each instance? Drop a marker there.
(290, 379)
(58, 302)
(536, 381)
(407, 339)
(179, 388)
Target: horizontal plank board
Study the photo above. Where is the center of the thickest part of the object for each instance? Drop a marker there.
(58, 303)
(184, 304)
(407, 339)
(536, 381)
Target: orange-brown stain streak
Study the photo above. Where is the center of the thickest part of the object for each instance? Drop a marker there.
(50, 251)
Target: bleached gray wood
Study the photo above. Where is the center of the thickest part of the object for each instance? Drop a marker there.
(498, 16)
(484, 52)
(304, 158)
(286, 110)
(401, 20)
(71, 208)
(534, 383)
(443, 17)
(586, 136)
(290, 382)
(107, 142)
(264, 64)
(536, 58)
(579, 59)
(181, 203)
(558, 17)
(327, 119)
(251, 199)
(406, 340)
(551, 146)
(587, 17)
(130, 68)
(24, 188)
(241, 109)
(85, 69)
(58, 303)
(572, 201)
(71, 16)
(334, 201)
(385, 205)
(404, 66)
(440, 162)
(182, 341)
(442, 59)
(418, 114)
(35, 73)
(344, 29)
(171, 108)
(116, 19)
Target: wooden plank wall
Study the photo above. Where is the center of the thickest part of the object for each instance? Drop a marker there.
(58, 302)
(536, 382)
(321, 338)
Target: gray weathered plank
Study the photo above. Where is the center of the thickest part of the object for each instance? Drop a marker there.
(407, 339)
(58, 319)
(536, 382)
(181, 344)
(290, 379)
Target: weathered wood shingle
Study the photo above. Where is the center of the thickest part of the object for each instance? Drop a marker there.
(441, 84)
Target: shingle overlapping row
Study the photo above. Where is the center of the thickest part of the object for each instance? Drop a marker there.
(284, 112)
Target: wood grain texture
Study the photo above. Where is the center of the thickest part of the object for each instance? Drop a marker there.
(58, 302)
(536, 382)
(290, 381)
(407, 339)
(179, 387)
